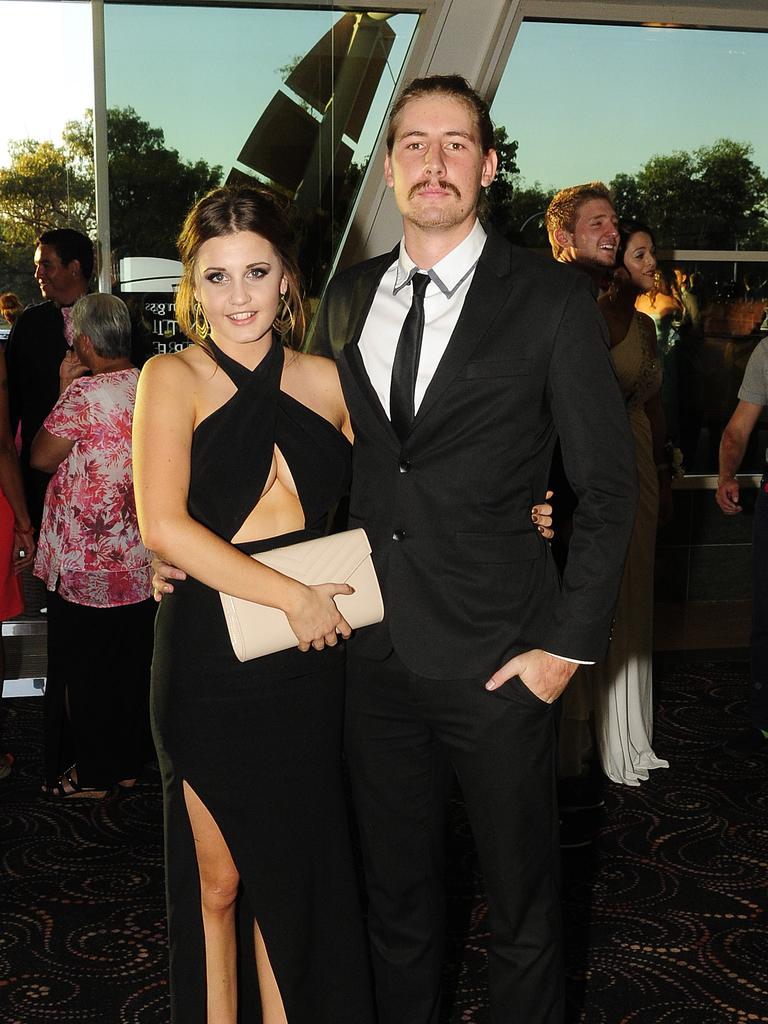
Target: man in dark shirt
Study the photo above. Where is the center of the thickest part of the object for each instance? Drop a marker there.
(39, 341)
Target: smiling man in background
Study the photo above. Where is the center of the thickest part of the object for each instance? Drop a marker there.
(583, 229)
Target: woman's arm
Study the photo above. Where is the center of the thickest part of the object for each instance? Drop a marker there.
(163, 425)
(11, 482)
(49, 451)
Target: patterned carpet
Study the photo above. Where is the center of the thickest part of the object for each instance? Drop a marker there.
(665, 914)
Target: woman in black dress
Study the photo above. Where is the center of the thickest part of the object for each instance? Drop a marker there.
(241, 445)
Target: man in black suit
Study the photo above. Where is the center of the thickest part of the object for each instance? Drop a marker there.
(458, 387)
(40, 339)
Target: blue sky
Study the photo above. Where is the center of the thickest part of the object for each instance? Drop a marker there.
(583, 101)
(589, 101)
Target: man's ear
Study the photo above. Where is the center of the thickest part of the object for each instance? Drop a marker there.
(563, 237)
(74, 268)
(388, 176)
(488, 172)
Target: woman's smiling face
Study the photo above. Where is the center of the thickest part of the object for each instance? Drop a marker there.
(238, 282)
(640, 260)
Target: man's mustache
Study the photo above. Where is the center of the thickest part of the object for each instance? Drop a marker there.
(445, 185)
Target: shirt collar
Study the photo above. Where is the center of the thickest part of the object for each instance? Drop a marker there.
(451, 270)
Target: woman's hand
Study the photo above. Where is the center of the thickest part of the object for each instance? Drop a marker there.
(314, 617)
(541, 515)
(71, 368)
(162, 574)
(23, 549)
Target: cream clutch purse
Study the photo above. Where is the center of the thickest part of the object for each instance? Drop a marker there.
(257, 629)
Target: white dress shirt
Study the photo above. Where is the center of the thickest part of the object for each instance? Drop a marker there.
(449, 282)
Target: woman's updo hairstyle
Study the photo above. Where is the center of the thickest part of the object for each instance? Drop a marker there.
(225, 211)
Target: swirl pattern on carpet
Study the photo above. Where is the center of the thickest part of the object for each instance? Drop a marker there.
(665, 913)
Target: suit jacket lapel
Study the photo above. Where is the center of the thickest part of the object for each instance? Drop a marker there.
(490, 289)
(360, 305)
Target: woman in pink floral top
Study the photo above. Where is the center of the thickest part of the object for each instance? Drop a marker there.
(92, 561)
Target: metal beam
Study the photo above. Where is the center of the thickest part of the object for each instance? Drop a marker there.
(100, 162)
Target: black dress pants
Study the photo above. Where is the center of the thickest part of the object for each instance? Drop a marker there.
(96, 707)
(403, 735)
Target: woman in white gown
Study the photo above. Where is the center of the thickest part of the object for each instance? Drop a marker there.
(622, 683)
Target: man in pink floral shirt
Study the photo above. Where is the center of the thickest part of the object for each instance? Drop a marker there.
(92, 561)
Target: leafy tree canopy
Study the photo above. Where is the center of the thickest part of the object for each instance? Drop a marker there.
(713, 198)
(47, 186)
(151, 188)
(514, 209)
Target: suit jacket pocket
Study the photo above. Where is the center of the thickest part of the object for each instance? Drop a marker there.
(492, 368)
(498, 548)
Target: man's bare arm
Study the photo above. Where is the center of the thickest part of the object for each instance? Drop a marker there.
(732, 447)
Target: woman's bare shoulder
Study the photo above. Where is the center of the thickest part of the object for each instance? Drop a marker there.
(178, 366)
(314, 381)
(315, 371)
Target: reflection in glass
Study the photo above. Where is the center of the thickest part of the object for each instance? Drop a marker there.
(675, 127)
(291, 98)
(724, 316)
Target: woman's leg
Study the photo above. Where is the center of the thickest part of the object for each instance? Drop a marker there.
(272, 1009)
(219, 883)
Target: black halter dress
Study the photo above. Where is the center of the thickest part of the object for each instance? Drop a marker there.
(259, 742)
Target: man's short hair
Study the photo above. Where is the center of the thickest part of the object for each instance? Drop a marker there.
(444, 85)
(70, 245)
(563, 209)
(106, 321)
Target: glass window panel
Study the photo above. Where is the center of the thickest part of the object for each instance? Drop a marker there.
(672, 120)
(725, 318)
(46, 173)
(293, 98)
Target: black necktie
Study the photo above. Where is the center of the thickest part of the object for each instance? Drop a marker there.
(406, 364)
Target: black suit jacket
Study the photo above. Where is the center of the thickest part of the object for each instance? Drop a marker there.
(36, 347)
(467, 579)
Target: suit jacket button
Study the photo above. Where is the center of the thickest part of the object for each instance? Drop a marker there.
(404, 466)
(398, 535)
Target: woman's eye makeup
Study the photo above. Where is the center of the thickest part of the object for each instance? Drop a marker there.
(220, 276)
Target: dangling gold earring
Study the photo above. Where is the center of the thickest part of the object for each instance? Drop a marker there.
(202, 327)
(284, 321)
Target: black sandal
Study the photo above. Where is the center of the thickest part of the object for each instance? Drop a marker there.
(68, 788)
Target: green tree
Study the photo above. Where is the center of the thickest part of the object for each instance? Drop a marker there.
(627, 198)
(513, 208)
(734, 195)
(40, 189)
(713, 198)
(671, 197)
(47, 186)
(150, 187)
